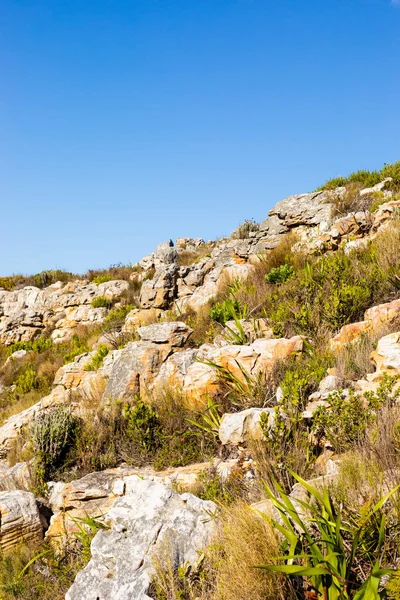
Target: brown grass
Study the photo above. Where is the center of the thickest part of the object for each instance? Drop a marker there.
(243, 541)
(353, 361)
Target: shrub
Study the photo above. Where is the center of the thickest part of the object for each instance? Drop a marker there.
(76, 347)
(227, 310)
(101, 279)
(101, 302)
(98, 358)
(26, 381)
(367, 178)
(345, 421)
(143, 426)
(244, 230)
(52, 435)
(39, 345)
(280, 274)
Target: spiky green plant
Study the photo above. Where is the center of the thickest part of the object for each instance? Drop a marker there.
(327, 546)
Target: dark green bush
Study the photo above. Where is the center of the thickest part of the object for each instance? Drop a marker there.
(280, 274)
(39, 345)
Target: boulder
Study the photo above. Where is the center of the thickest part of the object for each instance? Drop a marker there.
(304, 209)
(160, 291)
(347, 334)
(174, 333)
(386, 357)
(150, 520)
(174, 370)
(18, 477)
(19, 519)
(242, 427)
(259, 357)
(134, 368)
(140, 318)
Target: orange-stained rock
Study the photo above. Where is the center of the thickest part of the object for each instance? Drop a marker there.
(347, 334)
(202, 380)
(383, 312)
(139, 317)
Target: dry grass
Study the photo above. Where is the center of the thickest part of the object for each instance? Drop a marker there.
(351, 201)
(353, 361)
(243, 541)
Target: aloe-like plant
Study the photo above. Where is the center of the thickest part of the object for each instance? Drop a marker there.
(327, 547)
(210, 419)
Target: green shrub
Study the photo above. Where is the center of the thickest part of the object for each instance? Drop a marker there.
(52, 433)
(117, 316)
(39, 345)
(227, 310)
(77, 346)
(101, 302)
(341, 555)
(345, 421)
(26, 381)
(143, 426)
(280, 274)
(101, 279)
(367, 178)
(98, 358)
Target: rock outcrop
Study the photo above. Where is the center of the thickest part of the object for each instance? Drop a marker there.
(19, 519)
(150, 520)
(26, 313)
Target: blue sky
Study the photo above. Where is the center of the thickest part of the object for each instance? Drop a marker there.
(124, 123)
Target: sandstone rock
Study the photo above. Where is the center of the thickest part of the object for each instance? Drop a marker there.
(383, 312)
(19, 519)
(113, 290)
(330, 383)
(175, 333)
(160, 291)
(18, 477)
(140, 318)
(347, 334)
(92, 495)
(386, 357)
(174, 370)
(134, 369)
(304, 209)
(150, 518)
(202, 379)
(239, 428)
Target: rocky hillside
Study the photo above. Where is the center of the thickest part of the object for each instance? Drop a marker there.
(160, 423)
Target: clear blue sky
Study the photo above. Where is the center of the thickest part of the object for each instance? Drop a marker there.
(124, 123)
